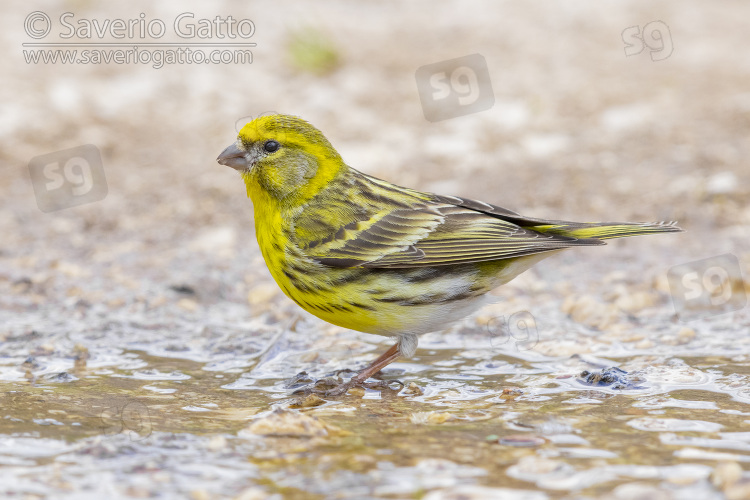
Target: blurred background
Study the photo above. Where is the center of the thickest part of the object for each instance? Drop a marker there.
(133, 296)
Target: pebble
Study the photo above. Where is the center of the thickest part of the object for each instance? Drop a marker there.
(187, 304)
(510, 393)
(685, 335)
(157, 302)
(115, 303)
(199, 495)
(738, 491)
(217, 240)
(722, 183)
(587, 310)
(262, 294)
(522, 440)
(473, 492)
(289, 423)
(534, 465)
(430, 417)
(726, 474)
(634, 302)
(414, 389)
(309, 357)
(634, 338)
(217, 443)
(310, 401)
(639, 491)
(644, 344)
(254, 493)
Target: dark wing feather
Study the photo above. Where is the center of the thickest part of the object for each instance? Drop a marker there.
(467, 236)
(436, 233)
(385, 233)
(500, 212)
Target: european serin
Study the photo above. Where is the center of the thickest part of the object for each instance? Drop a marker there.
(365, 254)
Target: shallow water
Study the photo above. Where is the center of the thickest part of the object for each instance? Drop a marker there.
(213, 420)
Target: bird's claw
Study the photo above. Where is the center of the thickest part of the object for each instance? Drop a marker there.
(329, 386)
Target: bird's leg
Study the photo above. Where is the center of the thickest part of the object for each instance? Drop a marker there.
(360, 379)
(381, 362)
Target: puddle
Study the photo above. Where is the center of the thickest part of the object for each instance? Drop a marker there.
(520, 421)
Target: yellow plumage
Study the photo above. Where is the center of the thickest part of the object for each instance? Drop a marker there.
(368, 255)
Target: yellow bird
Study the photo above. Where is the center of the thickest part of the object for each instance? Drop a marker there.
(365, 254)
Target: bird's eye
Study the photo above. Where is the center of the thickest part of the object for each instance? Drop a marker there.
(271, 146)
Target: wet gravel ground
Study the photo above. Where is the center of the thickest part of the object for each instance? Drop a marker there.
(146, 352)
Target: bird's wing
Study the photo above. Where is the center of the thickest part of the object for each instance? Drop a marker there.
(432, 233)
(382, 233)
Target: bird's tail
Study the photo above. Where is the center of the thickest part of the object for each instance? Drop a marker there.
(607, 230)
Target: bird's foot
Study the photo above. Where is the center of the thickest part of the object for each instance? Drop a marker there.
(331, 386)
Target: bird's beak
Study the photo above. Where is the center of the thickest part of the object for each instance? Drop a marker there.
(233, 157)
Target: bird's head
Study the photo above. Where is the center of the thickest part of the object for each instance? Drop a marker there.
(282, 158)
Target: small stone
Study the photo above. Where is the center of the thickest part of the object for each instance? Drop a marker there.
(722, 183)
(510, 393)
(661, 284)
(685, 335)
(309, 357)
(634, 302)
(44, 350)
(414, 389)
(70, 269)
(157, 302)
(311, 400)
(634, 338)
(533, 465)
(199, 495)
(615, 276)
(668, 340)
(262, 294)
(683, 480)
(220, 241)
(522, 440)
(588, 311)
(253, 493)
(115, 303)
(639, 491)
(617, 329)
(217, 443)
(475, 492)
(726, 474)
(738, 491)
(430, 417)
(183, 288)
(289, 424)
(644, 344)
(188, 304)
